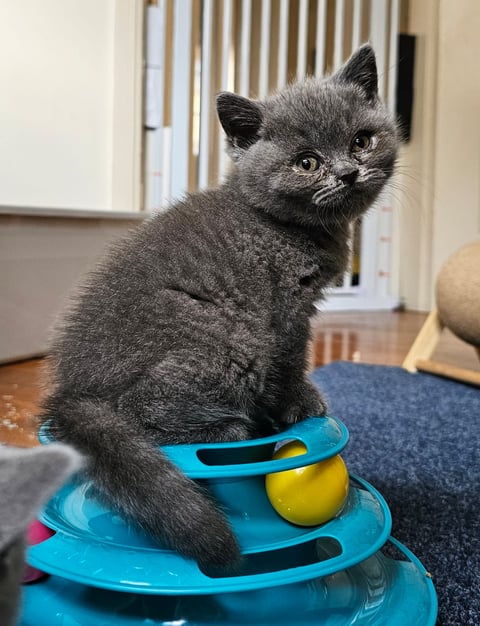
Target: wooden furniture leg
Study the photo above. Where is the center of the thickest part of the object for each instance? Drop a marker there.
(446, 370)
(418, 357)
(425, 343)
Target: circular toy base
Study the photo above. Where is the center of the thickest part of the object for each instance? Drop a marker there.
(377, 591)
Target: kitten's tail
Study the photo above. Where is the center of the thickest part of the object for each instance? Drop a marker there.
(137, 479)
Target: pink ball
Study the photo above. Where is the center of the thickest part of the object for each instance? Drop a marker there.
(36, 533)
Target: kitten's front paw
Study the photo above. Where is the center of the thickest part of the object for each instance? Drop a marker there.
(309, 404)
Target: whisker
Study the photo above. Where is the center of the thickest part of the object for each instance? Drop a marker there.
(321, 195)
(371, 175)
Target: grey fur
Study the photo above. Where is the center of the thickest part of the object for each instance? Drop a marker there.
(195, 327)
(28, 477)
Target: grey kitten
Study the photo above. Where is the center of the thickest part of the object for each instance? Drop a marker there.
(28, 477)
(195, 328)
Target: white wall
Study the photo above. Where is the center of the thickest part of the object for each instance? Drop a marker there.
(438, 194)
(70, 148)
(70, 71)
(457, 163)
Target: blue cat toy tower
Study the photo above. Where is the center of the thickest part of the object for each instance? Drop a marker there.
(345, 571)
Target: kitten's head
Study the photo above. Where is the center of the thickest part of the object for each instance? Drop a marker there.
(318, 152)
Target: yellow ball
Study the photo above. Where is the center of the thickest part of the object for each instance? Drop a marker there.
(310, 495)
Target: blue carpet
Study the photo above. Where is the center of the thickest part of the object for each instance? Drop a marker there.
(416, 438)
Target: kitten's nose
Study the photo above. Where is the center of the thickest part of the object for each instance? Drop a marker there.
(347, 174)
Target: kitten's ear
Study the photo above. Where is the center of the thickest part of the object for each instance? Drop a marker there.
(241, 119)
(361, 70)
(28, 478)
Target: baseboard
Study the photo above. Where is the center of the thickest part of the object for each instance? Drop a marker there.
(41, 259)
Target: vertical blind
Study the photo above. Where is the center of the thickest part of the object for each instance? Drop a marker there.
(196, 48)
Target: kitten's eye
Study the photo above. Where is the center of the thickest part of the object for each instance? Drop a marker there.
(308, 163)
(362, 142)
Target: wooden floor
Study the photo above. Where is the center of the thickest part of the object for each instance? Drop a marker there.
(381, 338)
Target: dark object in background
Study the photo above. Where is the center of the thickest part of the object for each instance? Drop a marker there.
(405, 76)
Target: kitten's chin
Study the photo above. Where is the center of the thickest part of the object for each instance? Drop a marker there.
(342, 203)
(336, 212)
(328, 215)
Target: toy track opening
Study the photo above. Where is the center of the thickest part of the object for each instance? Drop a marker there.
(236, 456)
(308, 553)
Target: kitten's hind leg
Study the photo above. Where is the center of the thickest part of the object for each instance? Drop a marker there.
(176, 415)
